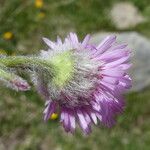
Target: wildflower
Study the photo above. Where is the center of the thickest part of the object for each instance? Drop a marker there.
(87, 81)
(41, 15)
(8, 35)
(54, 116)
(38, 3)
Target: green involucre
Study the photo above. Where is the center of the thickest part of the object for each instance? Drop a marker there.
(64, 66)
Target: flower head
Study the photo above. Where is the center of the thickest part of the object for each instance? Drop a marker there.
(41, 15)
(54, 116)
(8, 35)
(38, 3)
(87, 82)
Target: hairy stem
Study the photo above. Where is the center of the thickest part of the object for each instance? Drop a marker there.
(13, 61)
(27, 62)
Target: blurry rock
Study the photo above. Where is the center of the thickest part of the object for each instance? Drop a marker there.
(125, 15)
(140, 71)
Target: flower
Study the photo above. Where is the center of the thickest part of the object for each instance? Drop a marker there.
(87, 81)
(54, 116)
(41, 15)
(8, 35)
(38, 3)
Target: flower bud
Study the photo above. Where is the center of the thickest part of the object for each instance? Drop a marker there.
(13, 81)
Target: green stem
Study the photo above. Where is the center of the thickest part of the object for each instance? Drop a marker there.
(12, 61)
(23, 62)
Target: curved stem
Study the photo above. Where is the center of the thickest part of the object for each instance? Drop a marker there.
(27, 62)
(12, 61)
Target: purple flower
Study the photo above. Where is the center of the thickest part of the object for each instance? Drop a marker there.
(88, 81)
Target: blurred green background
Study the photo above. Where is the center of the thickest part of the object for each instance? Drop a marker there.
(23, 23)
